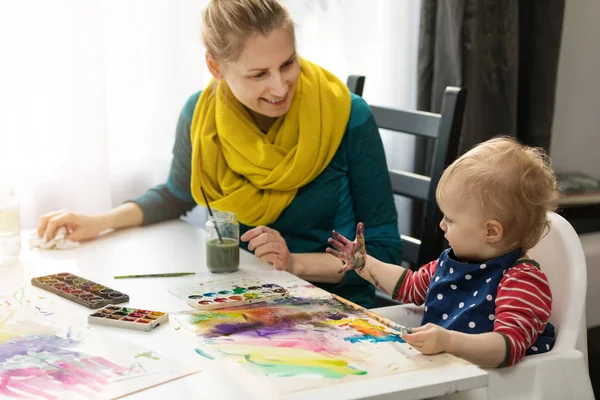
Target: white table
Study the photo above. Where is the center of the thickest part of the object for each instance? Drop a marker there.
(178, 246)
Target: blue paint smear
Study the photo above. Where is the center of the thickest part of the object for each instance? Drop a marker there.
(375, 339)
(204, 354)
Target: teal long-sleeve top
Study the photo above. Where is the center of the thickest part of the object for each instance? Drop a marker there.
(354, 187)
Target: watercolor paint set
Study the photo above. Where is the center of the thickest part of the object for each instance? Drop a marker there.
(221, 294)
(129, 318)
(80, 290)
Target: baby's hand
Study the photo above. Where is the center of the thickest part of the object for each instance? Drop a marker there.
(428, 339)
(353, 254)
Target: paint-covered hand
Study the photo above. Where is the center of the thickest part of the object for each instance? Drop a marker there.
(269, 246)
(353, 254)
(429, 339)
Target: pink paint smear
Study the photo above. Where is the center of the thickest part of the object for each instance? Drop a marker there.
(46, 369)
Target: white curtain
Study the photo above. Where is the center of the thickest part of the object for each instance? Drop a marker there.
(89, 97)
(90, 90)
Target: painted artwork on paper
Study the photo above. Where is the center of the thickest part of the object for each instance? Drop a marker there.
(42, 361)
(306, 336)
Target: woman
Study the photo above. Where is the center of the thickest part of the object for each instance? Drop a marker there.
(277, 140)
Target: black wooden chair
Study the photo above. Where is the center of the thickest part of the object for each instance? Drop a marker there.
(356, 84)
(444, 129)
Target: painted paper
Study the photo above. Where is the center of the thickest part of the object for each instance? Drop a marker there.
(41, 360)
(305, 341)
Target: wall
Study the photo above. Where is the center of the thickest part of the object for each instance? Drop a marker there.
(576, 129)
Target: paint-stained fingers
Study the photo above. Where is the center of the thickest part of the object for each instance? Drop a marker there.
(335, 253)
(351, 265)
(336, 244)
(348, 266)
(360, 231)
(344, 267)
(341, 238)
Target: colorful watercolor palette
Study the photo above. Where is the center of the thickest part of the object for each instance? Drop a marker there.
(130, 318)
(221, 294)
(80, 290)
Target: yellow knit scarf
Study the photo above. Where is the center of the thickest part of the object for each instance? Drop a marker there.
(257, 175)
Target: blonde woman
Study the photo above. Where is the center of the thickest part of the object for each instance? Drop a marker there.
(279, 141)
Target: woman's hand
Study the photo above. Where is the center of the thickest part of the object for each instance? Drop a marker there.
(80, 227)
(353, 254)
(429, 339)
(269, 246)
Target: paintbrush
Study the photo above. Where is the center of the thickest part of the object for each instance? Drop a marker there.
(211, 215)
(379, 318)
(163, 275)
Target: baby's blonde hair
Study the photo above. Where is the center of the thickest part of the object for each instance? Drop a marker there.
(514, 184)
(228, 23)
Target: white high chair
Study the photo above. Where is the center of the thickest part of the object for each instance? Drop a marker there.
(561, 373)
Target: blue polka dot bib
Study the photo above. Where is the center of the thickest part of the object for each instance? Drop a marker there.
(461, 295)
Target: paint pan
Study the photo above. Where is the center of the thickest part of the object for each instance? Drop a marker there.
(222, 294)
(80, 290)
(128, 318)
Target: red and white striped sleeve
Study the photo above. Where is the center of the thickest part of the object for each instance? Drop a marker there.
(413, 285)
(523, 306)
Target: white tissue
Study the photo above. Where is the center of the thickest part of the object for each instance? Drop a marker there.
(58, 242)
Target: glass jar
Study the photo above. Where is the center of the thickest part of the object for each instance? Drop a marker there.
(10, 226)
(222, 243)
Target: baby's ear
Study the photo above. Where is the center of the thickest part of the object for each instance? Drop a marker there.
(493, 231)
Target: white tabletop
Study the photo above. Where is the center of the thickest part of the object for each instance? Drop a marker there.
(177, 246)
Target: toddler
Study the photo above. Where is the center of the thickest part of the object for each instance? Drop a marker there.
(485, 300)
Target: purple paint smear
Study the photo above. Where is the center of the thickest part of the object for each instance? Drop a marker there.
(44, 313)
(291, 316)
(36, 344)
(231, 329)
(43, 365)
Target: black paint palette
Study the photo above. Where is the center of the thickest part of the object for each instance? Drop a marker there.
(129, 318)
(80, 290)
(222, 294)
